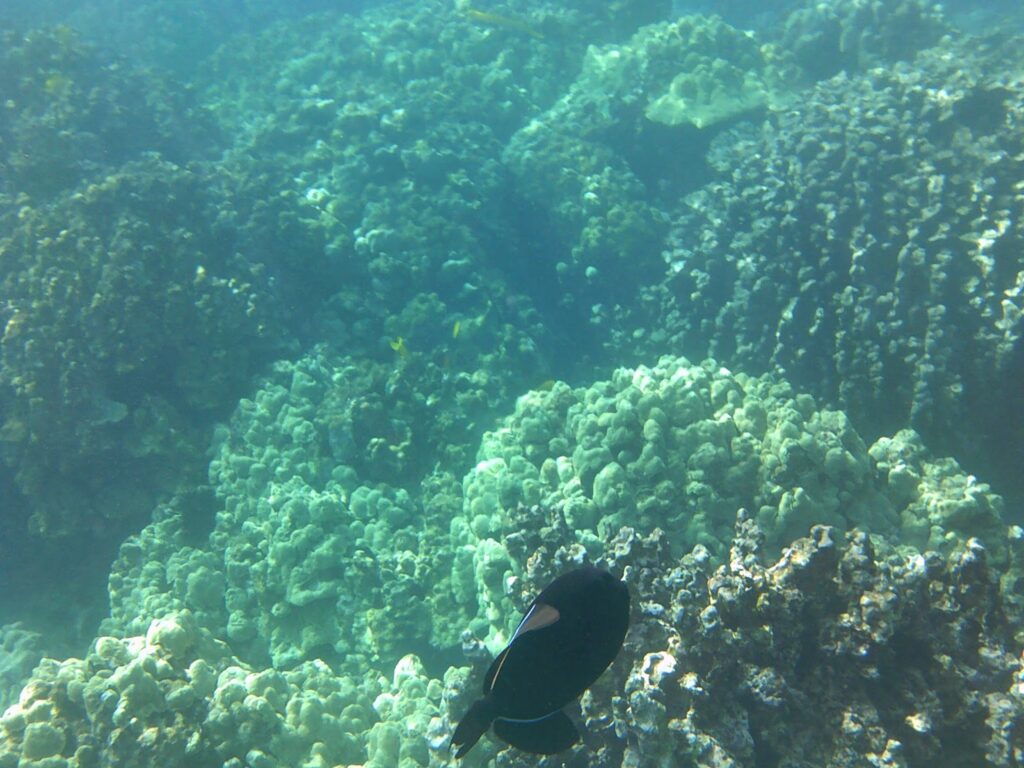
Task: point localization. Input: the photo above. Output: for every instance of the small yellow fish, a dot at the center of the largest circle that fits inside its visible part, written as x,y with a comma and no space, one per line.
456,328
57,85
64,35
398,344
545,386
506,22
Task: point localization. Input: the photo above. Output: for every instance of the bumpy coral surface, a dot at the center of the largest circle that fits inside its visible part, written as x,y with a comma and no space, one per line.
367,174
175,697
313,555
20,651
894,659
305,541
333,582
334,591
681,447
833,655
859,34
69,113
868,243
570,164
387,131
125,315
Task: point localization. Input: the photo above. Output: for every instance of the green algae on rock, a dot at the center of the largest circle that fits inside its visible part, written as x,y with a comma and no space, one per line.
724,74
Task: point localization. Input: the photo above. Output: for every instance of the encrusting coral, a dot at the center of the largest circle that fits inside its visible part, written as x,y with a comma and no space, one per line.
359,527
897,659
568,162
119,331
866,242
306,562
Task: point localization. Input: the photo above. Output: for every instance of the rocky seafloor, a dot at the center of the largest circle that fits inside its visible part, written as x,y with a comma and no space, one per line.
323,352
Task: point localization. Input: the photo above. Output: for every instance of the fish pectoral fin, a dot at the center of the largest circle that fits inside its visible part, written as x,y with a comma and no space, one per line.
547,736
541,615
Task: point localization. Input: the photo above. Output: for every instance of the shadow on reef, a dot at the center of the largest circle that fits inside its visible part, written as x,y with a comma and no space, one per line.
54,587
530,265
994,448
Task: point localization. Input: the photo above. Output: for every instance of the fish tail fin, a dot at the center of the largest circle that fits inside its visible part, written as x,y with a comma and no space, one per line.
473,725
541,737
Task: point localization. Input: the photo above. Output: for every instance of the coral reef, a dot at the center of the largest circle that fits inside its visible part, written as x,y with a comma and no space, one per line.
393,191
70,113
432,208
312,555
176,697
148,32
126,316
867,244
603,163
20,650
855,35
303,545
880,658
681,447
896,659
878,651
595,189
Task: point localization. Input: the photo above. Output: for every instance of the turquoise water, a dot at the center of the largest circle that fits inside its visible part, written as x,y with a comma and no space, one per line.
331,333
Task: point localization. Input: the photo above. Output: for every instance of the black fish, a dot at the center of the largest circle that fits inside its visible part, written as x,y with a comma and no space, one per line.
568,637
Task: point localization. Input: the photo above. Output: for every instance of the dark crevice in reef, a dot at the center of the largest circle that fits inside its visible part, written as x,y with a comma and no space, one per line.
529,263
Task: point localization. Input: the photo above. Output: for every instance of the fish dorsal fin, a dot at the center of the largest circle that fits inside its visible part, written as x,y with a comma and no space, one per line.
541,615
